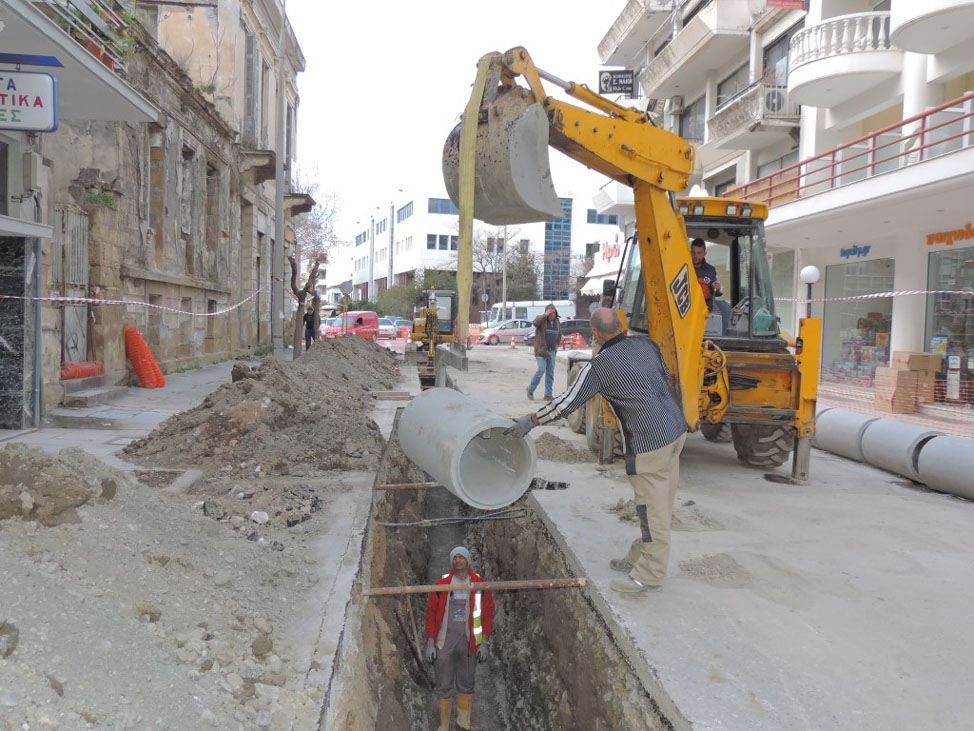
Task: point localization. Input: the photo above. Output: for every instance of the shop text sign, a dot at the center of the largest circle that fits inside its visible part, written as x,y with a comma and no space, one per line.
949,237
617,82
854,251
28,101
793,4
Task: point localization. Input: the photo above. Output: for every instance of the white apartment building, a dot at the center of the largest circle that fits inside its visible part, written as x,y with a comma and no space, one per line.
854,120
415,233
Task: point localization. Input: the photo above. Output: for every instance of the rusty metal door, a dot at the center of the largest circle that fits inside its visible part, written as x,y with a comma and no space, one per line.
70,275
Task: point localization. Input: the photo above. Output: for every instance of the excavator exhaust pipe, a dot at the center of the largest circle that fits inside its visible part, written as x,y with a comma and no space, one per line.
512,178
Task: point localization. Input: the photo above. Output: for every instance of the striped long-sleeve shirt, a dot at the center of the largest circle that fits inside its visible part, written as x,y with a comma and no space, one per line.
630,373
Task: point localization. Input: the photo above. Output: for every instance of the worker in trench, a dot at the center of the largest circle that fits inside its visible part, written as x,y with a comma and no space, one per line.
458,629
629,372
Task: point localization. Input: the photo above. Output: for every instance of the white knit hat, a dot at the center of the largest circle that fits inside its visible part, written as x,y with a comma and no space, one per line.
461,551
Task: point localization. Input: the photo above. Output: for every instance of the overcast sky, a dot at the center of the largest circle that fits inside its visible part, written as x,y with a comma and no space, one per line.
386,81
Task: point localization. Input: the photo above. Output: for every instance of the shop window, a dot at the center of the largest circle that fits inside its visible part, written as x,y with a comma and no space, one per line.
950,316
855,336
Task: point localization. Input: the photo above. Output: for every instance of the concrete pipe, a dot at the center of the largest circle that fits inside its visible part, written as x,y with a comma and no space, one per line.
895,446
840,431
461,443
947,464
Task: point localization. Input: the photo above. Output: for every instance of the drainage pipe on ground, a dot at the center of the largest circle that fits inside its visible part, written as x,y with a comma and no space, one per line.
947,464
840,432
461,443
895,446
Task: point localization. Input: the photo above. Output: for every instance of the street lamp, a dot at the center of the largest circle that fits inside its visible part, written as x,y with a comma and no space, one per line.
809,275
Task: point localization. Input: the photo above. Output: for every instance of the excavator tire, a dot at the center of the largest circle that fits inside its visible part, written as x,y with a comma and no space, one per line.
762,445
716,432
593,435
576,419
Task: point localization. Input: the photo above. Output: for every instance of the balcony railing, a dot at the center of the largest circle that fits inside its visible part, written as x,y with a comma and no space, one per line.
842,35
938,131
100,26
759,102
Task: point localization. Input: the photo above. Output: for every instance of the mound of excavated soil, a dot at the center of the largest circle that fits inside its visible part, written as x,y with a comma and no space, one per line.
555,449
298,418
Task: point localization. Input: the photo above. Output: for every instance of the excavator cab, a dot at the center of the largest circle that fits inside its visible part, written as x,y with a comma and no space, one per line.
730,235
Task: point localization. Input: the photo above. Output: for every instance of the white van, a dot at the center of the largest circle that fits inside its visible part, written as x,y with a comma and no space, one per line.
527,310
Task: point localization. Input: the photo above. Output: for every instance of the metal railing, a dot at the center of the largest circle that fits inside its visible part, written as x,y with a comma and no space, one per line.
935,132
100,26
841,35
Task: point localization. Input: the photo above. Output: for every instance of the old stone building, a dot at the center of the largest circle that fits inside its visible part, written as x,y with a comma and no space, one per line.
175,217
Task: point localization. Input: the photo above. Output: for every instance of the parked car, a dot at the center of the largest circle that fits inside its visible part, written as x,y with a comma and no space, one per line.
387,328
568,327
505,332
402,322
363,323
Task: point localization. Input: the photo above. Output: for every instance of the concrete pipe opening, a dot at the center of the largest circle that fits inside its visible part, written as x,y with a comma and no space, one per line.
462,444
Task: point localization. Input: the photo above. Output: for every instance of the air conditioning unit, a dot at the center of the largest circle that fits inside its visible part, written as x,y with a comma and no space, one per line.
676,104
774,101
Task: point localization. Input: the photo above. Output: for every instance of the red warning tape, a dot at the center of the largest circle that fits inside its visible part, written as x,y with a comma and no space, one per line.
876,295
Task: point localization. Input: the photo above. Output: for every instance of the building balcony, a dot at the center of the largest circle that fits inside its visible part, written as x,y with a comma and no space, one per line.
931,26
636,24
759,116
718,32
614,198
81,49
928,152
841,58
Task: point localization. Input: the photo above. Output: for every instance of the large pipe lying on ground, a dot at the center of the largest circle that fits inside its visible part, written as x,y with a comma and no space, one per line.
947,464
840,432
895,445
462,444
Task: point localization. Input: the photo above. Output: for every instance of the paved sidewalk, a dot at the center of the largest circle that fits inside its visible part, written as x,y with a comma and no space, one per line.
104,429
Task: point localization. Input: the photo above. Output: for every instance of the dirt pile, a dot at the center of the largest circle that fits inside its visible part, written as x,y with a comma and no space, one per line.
556,449
298,418
38,486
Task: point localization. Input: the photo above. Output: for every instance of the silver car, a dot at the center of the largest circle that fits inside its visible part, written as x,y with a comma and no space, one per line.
505,332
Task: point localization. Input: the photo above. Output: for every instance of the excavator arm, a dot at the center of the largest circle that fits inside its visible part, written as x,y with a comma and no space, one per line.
513,184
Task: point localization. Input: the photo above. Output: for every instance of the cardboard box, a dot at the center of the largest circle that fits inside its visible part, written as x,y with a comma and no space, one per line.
900,402
908,361
894,378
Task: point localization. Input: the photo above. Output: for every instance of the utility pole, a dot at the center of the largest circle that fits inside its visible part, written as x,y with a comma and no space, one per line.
504,278
277,256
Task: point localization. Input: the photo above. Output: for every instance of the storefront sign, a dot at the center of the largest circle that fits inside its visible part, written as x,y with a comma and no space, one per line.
28,101
949,237
610,251
791,4
617,82
855,251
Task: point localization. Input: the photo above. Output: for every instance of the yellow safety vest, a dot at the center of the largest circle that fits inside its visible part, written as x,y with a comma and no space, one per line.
478,630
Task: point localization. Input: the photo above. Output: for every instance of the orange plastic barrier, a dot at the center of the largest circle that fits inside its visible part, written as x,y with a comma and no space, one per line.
143,363
80,369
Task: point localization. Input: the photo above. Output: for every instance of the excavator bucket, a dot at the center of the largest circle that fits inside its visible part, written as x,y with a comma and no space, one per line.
512,179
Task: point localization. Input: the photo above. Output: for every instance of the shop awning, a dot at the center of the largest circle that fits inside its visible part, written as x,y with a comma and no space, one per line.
19,227
594,284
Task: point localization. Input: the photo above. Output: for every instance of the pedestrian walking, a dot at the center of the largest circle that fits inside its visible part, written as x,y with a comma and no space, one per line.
310,331
630,373
458,628
547,336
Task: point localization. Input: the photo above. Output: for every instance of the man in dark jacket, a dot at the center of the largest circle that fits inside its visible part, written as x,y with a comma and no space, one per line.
547,336
707,276
310,331
458,627
629,372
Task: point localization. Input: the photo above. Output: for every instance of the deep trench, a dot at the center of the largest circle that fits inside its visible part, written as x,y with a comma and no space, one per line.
555,664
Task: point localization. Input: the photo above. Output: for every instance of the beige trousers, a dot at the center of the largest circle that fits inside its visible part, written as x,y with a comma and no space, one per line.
654,486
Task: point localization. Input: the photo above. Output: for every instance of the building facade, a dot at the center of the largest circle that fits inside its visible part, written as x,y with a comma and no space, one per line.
420,233
853,120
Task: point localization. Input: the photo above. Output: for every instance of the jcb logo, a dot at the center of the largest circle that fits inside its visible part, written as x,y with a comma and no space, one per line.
680,287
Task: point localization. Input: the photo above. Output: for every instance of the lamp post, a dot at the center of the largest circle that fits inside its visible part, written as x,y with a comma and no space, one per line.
809,275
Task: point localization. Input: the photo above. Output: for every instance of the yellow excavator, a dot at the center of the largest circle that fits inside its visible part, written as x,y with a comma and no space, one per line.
729,368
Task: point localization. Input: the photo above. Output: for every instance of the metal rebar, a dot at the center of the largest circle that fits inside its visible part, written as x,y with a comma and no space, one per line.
405,485
481,586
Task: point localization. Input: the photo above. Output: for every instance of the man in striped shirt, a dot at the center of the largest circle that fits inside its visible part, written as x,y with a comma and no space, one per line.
630,373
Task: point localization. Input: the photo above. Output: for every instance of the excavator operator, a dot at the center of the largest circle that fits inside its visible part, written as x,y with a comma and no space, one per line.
707,276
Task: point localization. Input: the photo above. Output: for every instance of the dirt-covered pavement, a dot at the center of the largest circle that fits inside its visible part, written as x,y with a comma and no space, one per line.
126,605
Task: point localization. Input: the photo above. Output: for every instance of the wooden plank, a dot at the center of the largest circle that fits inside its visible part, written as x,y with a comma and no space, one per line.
482,586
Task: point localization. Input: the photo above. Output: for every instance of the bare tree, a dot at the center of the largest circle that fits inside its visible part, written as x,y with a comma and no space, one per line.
315,230
301,294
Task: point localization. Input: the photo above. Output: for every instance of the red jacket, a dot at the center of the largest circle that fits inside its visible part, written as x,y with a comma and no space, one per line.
438,601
